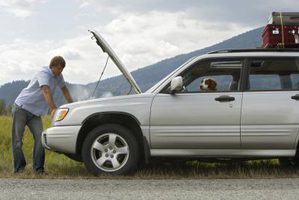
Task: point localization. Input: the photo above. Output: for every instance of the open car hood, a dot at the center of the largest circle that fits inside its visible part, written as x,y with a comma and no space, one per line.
107,49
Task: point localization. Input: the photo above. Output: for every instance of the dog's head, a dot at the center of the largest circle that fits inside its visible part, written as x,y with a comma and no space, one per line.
208,84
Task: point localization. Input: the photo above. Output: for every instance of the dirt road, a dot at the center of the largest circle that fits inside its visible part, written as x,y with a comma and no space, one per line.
150,189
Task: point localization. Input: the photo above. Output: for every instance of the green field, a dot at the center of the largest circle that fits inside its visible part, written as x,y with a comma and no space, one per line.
59,166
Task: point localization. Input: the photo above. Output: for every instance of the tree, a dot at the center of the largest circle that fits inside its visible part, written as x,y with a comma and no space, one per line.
8,109
2,107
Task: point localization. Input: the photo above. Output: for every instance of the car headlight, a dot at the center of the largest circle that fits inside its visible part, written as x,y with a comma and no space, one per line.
60,114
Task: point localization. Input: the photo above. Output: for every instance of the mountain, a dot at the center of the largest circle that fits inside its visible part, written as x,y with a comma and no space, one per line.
145,77
9,91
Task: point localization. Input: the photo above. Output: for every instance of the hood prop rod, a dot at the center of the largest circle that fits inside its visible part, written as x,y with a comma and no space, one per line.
100,77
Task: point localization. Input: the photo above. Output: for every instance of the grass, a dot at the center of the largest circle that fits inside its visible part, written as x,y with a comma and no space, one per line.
60,166
57,165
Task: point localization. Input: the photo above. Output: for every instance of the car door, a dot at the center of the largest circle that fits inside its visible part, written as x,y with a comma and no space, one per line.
196,118
270,111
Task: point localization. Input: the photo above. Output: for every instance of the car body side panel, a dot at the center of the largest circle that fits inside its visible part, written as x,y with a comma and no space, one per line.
270,120
224,153
195,120
135,105
63,135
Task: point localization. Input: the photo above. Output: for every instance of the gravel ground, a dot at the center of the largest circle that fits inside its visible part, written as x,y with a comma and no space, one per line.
150,189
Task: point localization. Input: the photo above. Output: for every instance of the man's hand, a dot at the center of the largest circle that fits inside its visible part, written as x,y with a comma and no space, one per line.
49,98
67,94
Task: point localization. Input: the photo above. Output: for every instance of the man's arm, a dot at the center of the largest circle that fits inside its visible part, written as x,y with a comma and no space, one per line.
67,94
49,98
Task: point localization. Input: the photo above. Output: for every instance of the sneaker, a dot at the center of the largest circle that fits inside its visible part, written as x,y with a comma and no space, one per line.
19,171
40,172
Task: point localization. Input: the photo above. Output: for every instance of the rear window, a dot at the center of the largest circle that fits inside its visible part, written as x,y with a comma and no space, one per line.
273,74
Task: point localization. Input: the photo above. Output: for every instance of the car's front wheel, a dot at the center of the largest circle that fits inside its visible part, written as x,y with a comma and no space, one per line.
110,149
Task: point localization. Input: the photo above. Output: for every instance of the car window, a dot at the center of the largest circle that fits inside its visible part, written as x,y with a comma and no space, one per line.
264,82
273,74
212,76
223,83
295,80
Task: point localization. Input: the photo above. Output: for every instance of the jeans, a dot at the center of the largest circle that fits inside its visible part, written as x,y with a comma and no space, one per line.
21,118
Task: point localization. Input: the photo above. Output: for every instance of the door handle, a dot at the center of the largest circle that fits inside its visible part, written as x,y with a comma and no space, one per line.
295,97
225,98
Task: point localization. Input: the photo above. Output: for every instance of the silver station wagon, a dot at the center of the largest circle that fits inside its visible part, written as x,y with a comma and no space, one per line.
224,104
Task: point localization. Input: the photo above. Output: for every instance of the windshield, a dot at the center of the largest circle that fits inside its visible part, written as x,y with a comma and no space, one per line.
153,88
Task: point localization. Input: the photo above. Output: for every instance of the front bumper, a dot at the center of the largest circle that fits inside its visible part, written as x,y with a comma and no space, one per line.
61,138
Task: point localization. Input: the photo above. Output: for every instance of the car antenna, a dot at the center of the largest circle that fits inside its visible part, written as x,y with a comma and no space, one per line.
100,77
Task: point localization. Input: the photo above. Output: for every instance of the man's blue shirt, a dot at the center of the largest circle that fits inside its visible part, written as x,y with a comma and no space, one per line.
32,99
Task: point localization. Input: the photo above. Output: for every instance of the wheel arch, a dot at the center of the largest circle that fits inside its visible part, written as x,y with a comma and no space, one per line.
125,119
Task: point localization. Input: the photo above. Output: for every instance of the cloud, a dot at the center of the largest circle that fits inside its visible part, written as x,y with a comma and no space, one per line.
253,13
21,59
142,39
84,3
138,39
140,32
19,8
68,52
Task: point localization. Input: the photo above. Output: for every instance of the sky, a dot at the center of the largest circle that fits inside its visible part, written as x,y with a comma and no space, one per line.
141,32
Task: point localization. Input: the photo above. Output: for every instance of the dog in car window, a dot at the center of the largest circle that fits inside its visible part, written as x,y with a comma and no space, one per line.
208,84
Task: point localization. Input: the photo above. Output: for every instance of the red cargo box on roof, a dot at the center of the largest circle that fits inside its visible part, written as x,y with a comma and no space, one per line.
274,36
285,18
282,30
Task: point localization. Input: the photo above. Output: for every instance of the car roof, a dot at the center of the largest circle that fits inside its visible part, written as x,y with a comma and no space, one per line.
255,50
258,52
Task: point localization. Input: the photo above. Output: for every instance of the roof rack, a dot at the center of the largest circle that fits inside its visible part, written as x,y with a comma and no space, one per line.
256,50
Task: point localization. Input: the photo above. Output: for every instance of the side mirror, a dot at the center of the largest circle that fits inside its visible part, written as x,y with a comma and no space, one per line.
176,84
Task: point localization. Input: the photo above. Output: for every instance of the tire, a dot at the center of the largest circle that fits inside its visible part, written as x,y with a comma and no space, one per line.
110,149
285,162
289,162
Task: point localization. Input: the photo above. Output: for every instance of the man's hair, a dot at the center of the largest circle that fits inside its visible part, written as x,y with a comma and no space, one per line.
56,61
